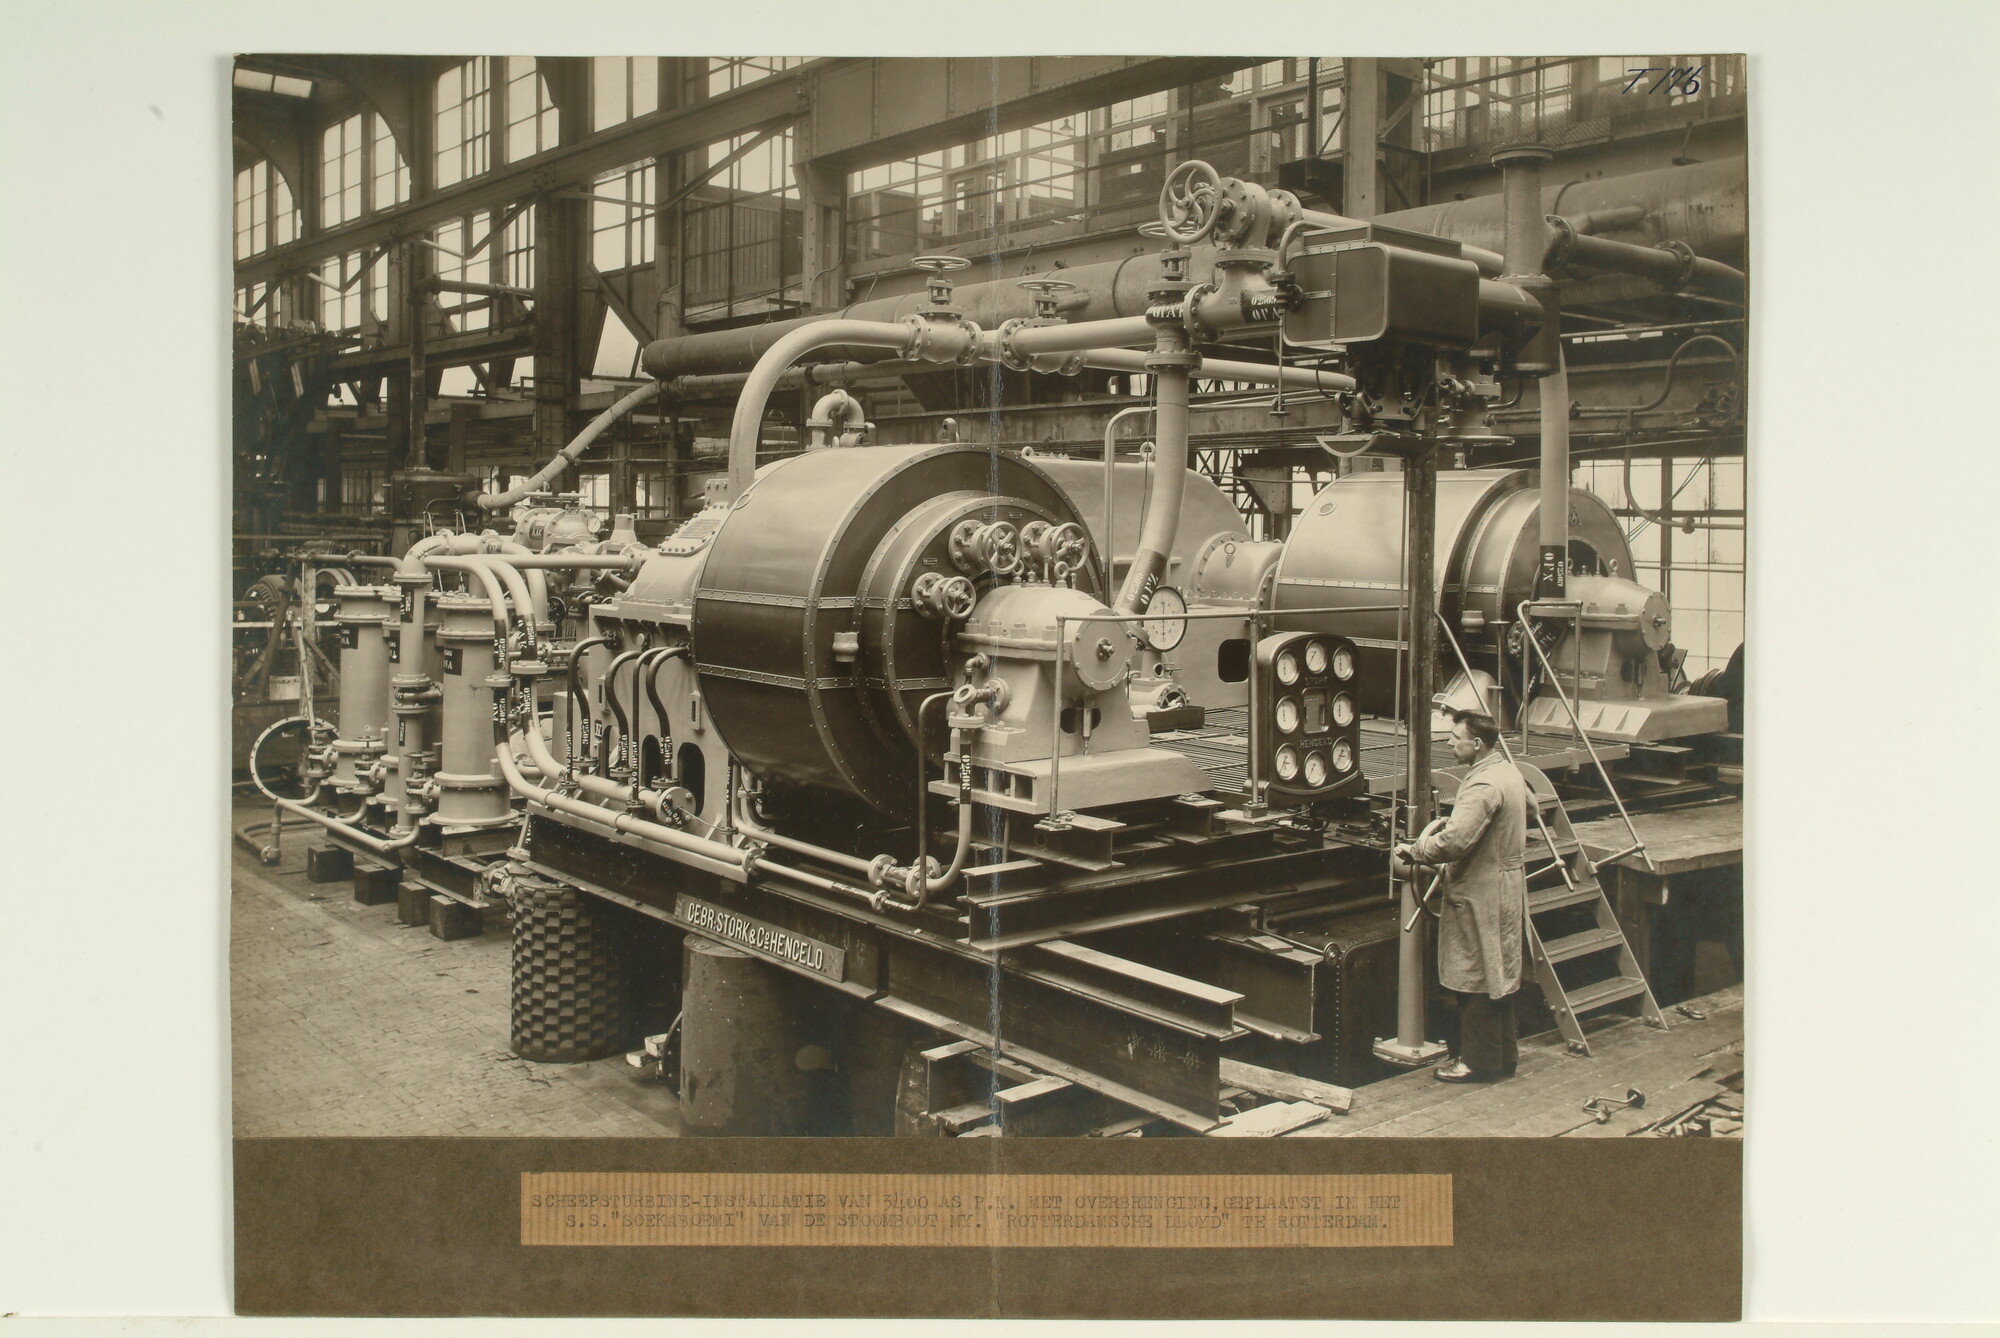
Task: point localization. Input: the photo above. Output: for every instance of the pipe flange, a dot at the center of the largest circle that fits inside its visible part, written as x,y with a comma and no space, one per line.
1687,259
879,870
1011,357
1562,243
969,357
1189,318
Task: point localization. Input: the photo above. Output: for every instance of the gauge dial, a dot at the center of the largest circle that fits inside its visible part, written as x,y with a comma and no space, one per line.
1288,668
1315,769
1343,663
1288,715
1315,657
1164,626
1343,756
1343,709
1288,762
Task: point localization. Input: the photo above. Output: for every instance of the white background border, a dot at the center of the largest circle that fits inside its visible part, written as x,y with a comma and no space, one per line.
1872,593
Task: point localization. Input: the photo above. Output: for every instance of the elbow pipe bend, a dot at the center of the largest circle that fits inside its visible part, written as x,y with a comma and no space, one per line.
744,427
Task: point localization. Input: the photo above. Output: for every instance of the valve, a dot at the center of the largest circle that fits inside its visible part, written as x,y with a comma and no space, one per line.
937,267
943,598
977,548
1045,290
1190,202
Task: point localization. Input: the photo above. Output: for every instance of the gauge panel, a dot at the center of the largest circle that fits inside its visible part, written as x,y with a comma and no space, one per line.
1164,625
1305,730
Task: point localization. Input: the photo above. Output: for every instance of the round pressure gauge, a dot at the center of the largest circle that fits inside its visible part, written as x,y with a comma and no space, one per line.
1288,667
1343,709
1343,756
1315,769
1288,762
1288,715
1164,627
1315,657
1343,663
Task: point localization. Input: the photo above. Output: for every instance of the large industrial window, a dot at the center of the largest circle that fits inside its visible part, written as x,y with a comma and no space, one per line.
454,264
1691,550
265,214
517,250
340,172
1487,100
740,230
725,73
261,304
464,121
622,87
622,235
340,292
533,123
392,173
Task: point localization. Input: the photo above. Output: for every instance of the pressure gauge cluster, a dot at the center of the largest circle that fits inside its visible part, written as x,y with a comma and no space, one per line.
1306,732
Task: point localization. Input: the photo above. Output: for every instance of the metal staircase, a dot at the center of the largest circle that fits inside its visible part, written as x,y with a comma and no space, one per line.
1569,918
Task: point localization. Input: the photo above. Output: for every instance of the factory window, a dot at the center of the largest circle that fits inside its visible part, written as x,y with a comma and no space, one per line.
517,250
533,123
622,87
595,490
339,283
265,214
464,121
261,304
622,235
340,172
376,308
1696,559
740,230
457,263
725,73
357,490
392,173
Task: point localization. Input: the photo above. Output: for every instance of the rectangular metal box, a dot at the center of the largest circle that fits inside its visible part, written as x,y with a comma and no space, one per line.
1371,283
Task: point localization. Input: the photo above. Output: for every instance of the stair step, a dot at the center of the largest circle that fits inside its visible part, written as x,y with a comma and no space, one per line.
1576,945
1599,993
1557,897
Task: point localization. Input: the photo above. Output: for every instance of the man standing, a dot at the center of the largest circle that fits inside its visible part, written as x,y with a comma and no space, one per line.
1485,898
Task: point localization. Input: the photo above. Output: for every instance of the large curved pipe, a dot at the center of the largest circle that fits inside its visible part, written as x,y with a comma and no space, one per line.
1163,505
567,456
745,427
343,832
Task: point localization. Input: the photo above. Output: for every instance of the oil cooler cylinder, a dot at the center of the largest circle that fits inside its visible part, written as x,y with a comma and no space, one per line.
363,614
471,791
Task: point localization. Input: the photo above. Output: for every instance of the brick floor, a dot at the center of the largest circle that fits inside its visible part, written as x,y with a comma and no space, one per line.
347,1022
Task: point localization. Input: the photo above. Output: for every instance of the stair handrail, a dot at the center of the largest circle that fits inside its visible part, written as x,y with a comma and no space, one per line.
1555,681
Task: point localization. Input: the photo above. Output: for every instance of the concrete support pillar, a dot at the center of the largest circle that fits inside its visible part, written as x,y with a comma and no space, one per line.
745,1038
823,192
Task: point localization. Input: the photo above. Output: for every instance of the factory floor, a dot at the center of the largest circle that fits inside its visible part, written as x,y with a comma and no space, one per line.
347,1022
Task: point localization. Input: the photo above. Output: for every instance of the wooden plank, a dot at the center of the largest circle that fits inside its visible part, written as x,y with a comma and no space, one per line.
1679,840
1270,1082
1270,1121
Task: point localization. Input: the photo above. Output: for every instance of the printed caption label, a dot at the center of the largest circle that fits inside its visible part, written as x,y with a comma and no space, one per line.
1132,1211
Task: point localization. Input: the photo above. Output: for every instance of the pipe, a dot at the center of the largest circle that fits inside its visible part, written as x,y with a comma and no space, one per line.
538,583
1111,477
342,832
1072,338
527,561
713,856
1163,507
1521,205
618,711
749,419
567,456
1257,373
1672,265
1552,580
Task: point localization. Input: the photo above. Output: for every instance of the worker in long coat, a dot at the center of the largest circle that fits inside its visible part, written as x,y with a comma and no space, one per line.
1485,899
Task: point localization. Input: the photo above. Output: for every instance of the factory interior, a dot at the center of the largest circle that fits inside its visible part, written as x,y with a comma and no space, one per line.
916,596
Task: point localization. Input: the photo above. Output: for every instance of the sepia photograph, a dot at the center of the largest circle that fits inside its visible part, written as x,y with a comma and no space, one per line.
1100,597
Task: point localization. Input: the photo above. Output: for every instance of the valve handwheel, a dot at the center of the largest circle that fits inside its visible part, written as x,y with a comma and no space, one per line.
1045,290
940,264
1189,201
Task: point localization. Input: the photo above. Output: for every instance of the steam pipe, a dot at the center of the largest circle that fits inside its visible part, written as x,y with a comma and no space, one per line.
618,711
744,428
1555,477
1257,373
1673,265
567,456
1169,364
1111,477
342,832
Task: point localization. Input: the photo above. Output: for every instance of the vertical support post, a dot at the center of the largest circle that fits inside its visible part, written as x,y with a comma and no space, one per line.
1410,1048
1525,239
417,398
1552,571
1361,131
823,196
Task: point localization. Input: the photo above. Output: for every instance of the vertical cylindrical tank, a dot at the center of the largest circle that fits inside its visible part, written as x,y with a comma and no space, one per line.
747,1044
471,791
363,613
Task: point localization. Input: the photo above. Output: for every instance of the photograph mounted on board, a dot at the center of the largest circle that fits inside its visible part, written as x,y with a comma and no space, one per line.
1152,600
